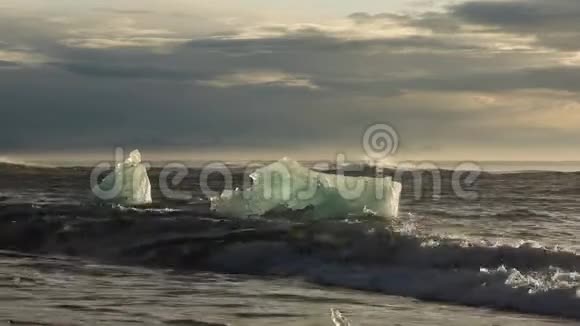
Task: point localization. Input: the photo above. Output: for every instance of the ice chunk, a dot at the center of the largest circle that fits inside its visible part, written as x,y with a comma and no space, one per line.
287,184
338,318
128,184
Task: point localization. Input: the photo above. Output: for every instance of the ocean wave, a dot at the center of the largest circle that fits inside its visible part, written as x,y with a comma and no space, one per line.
8,161
443,272
459,286
368,255
507,214
165,210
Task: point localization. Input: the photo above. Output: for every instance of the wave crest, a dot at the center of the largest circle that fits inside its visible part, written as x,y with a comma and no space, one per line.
364,255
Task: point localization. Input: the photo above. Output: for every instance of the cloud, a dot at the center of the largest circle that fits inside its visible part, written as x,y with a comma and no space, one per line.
124,11
555,23
119,76
21,57
322,39
7,64
126,71
520,14
121,32
366,18
555,78
130,42
260,78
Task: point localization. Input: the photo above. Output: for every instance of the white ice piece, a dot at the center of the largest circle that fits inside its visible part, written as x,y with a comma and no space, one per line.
287,184
128,184
338,318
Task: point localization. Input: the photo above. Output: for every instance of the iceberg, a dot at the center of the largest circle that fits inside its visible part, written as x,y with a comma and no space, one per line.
288,185
128,184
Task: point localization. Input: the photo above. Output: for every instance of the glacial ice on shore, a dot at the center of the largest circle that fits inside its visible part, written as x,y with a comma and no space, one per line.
288,185
128,184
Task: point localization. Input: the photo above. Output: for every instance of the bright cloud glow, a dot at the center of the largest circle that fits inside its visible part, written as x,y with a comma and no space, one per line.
119,33
260,78
19,57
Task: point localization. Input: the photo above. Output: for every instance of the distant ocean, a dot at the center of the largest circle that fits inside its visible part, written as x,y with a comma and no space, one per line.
488,166
509,257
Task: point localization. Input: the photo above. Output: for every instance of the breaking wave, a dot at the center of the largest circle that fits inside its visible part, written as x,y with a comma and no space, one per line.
20,163
363,254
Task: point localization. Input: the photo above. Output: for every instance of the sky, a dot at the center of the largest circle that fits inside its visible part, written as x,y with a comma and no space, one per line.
469,80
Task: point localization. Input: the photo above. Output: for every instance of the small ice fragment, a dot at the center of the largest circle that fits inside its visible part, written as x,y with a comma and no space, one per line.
128,184
338,319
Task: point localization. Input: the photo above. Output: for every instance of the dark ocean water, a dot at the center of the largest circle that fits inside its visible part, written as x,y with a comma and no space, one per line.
509,257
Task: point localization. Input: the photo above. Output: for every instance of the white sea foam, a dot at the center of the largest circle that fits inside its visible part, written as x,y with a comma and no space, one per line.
147,210
11,161
553,278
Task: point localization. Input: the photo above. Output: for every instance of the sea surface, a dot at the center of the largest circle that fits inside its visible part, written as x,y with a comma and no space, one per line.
508,256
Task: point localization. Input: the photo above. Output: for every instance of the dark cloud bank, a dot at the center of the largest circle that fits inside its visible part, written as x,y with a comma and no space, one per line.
299,87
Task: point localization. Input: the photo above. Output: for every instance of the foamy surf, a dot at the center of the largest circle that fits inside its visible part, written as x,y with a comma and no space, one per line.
362,255
22,163
446,273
